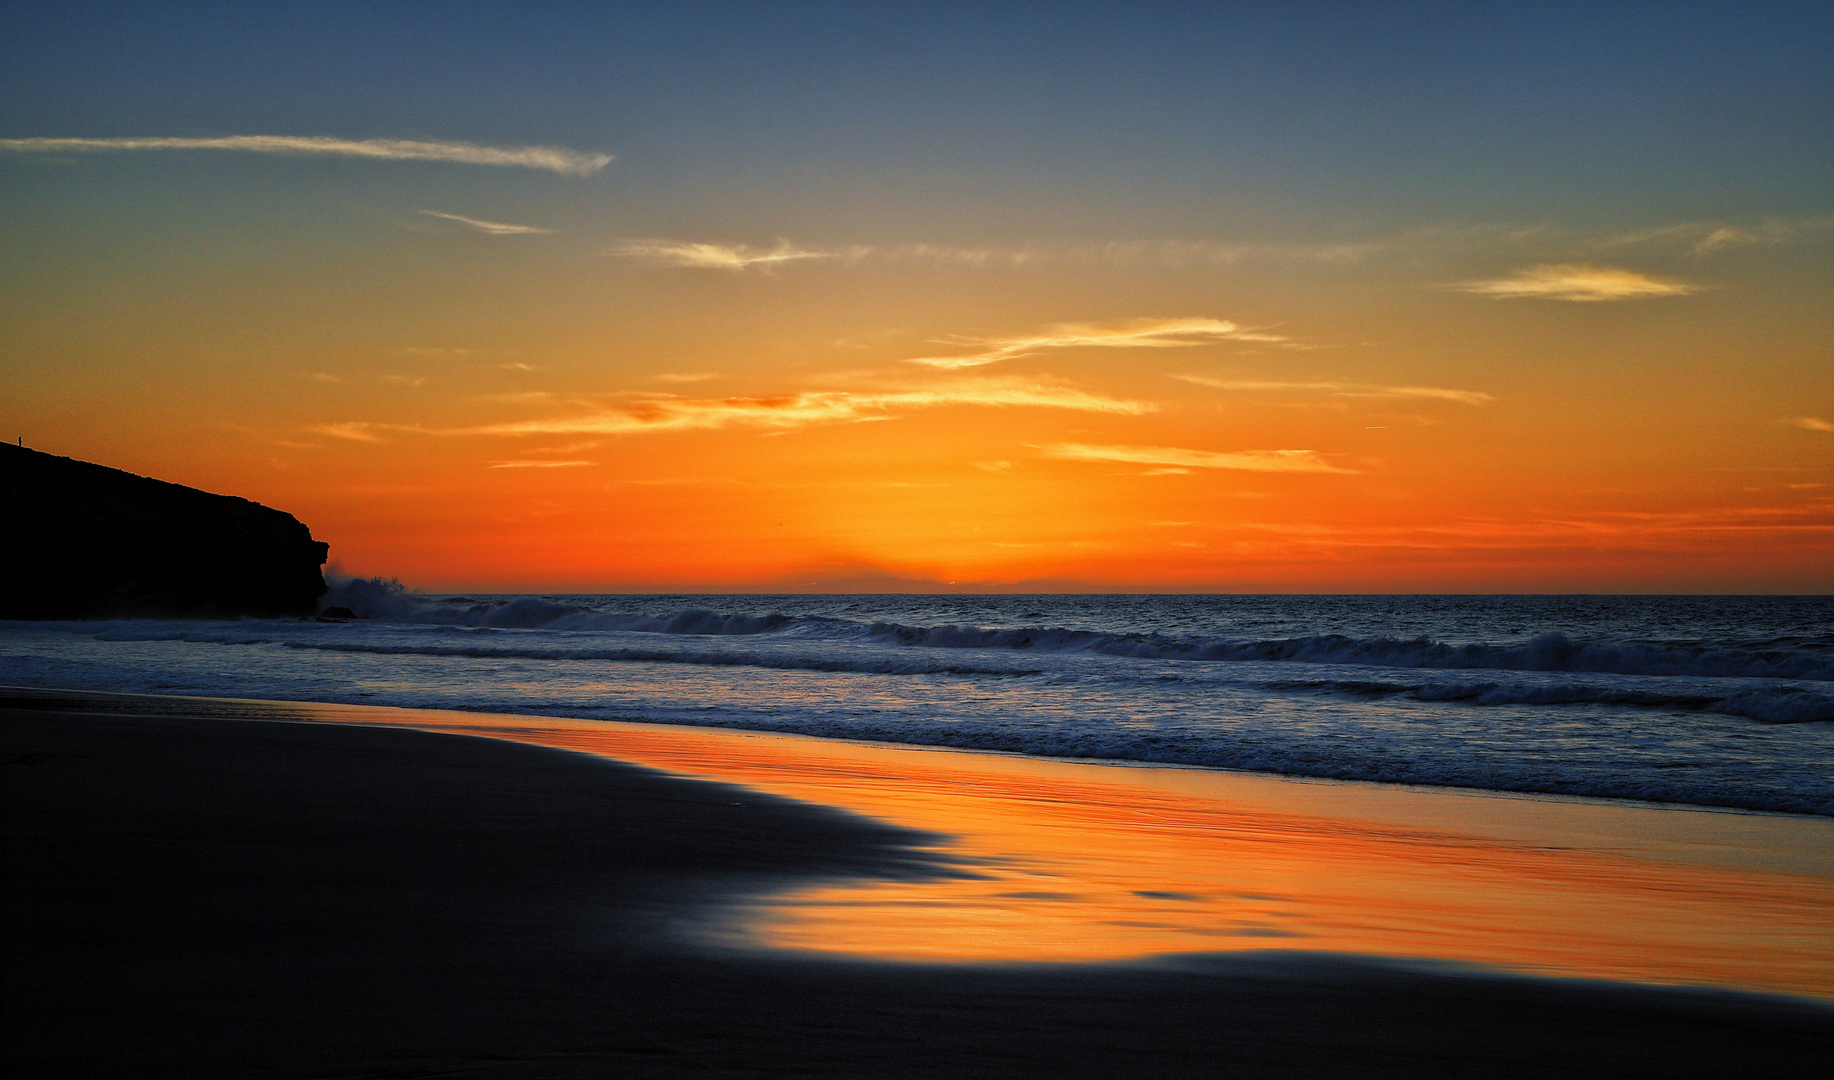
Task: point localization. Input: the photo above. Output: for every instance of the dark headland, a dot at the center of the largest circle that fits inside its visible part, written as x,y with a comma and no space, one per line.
88,541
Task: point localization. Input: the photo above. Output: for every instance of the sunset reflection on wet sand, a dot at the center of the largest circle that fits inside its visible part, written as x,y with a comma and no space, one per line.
1068,861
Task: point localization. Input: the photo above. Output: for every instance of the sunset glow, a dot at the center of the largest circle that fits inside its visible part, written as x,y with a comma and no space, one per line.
758,308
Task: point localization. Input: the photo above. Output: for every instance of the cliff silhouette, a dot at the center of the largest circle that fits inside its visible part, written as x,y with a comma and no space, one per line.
87,541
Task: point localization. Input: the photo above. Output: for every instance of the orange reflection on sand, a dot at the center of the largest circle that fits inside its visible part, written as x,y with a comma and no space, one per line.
1087,862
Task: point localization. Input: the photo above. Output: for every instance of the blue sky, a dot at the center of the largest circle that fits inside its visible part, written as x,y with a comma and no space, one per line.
1312,117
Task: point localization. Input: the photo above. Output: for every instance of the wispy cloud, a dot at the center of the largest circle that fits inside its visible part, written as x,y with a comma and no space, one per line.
1809,423
1576,281
1550,241
492,228
1708,237
788,411
536,464
701,256
1698,237
685,376
357,431
1177,458
1177,254
1137,334
1529,240
1344,389
1170,254
551,158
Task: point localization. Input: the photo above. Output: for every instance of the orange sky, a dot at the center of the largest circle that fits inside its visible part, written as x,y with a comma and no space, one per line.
722,363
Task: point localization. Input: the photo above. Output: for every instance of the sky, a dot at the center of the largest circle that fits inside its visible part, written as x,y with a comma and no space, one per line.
1072,297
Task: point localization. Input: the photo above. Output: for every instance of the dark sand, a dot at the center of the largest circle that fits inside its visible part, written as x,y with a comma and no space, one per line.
211,897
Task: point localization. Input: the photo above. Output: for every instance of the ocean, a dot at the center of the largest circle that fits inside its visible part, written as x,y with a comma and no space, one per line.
1720,701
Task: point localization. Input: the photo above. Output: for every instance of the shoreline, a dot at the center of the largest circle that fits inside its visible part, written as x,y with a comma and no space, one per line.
498,907
133,699
1557,720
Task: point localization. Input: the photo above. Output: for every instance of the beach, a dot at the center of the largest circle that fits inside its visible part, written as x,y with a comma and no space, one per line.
217,888
942,541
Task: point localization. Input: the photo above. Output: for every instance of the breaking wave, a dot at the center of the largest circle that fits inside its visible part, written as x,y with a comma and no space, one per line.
1765,701
1688,700
1547,652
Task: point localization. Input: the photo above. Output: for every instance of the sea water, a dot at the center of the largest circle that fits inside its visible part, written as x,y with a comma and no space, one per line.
1708,701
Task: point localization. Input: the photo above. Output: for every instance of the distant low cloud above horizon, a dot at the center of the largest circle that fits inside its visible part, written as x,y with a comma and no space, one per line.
554,159
1576,282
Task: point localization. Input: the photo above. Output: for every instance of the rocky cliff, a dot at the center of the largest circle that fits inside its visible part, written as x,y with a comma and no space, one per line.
84,540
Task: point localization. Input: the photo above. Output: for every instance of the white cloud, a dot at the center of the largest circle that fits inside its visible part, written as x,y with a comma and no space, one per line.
1809,423
552,158
1177,458
492,228
788,411
700,256
1578,282
1136,334
1343,389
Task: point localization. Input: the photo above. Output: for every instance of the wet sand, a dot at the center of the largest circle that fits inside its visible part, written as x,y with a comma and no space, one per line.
200,895
1073,861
